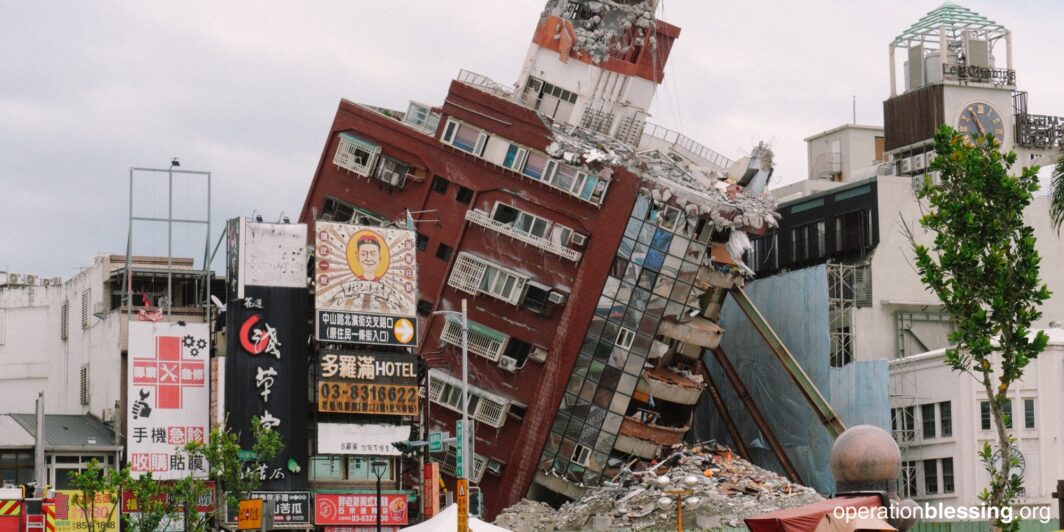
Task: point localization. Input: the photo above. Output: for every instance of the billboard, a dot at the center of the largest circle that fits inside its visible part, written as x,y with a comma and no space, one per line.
291,508
359,509
368,383
70,518
361,439
366,281
267,332
168,397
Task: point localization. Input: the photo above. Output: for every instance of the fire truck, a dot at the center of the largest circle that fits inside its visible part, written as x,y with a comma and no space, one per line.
21,514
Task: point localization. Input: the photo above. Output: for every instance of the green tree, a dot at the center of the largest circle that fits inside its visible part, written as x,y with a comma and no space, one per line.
150,500
1056,196
97,488
235,474
985,270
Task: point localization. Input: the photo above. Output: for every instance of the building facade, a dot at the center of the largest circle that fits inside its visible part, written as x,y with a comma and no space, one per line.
570,225
941,429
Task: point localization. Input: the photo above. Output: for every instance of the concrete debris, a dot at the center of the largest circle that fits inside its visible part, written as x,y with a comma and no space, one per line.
697,190
718,489
605,27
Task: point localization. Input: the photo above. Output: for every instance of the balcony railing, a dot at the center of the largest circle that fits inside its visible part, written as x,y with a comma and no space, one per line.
480,80
682,141
481,218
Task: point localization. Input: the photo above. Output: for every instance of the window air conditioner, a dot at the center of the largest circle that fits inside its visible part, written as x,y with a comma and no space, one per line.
539,354
394,179
578,239
557,298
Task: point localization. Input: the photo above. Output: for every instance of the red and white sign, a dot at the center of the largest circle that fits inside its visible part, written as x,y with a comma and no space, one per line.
168,402
359,509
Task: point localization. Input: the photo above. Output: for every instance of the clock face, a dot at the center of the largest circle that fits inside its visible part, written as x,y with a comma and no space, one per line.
980,118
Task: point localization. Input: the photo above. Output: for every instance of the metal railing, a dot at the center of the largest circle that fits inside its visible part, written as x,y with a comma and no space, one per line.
482,219
683,141
472,78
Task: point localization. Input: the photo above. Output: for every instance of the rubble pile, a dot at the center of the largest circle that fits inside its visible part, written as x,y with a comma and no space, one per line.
718,489
605,27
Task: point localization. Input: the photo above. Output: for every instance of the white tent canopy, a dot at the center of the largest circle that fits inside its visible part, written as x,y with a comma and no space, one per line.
447,521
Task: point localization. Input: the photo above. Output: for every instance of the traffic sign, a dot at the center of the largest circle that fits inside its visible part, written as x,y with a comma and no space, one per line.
463,505
435,442
459,458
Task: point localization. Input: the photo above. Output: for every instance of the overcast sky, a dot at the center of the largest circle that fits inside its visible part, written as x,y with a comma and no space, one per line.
248,90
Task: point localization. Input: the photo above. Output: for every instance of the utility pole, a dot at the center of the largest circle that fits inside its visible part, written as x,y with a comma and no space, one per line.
38,450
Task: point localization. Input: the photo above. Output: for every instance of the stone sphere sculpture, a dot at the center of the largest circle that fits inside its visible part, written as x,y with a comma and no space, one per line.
864,453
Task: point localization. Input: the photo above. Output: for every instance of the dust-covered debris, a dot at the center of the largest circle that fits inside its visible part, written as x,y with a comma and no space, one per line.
604,27
718,489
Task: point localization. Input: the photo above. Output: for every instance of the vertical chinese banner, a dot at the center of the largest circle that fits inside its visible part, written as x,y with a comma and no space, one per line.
431,489
168,397
266,352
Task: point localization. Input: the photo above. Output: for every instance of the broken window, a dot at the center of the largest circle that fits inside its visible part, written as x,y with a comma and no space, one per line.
518,350
549,99
536,297
392,172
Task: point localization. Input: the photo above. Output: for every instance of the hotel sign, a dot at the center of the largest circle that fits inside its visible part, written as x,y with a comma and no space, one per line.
368,383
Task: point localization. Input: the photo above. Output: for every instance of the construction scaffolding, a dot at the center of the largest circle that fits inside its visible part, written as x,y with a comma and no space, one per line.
842,300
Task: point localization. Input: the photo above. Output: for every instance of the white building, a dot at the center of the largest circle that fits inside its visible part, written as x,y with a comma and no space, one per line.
941,420
68,338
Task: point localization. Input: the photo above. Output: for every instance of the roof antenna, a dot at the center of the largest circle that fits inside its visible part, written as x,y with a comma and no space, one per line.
855,109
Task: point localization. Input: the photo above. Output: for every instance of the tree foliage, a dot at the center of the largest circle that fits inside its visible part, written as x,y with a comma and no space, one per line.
96,488
1056,196
985,270
150,502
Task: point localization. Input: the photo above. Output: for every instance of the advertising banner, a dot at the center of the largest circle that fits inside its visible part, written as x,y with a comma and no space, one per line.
70,518
368,383
359,509
291,508
168,397
267,332
366,285
431,486
345,438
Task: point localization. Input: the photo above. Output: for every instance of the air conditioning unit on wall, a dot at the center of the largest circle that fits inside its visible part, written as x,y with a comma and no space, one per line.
508,364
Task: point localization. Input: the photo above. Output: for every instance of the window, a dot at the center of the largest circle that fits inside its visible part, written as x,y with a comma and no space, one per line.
901,422
463,137
464,195
424,308
984,415
930,476
581,455
945,416
518,350
16,467
84,384
625,337
502,284
449,458
521,221
335,210
422,242
64,321
85,298
536,297
392,172
351,468
1006,410
927,420
947,475
421,116
853,230
1028,413
439,184
484,406
535,164
443,252
480,340
355,154
908,479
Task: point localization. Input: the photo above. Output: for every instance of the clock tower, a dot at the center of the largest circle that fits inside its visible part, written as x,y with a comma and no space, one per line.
952,73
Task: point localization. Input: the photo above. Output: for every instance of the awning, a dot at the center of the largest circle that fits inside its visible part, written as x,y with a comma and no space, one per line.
807,518
354,139
70,432
482,330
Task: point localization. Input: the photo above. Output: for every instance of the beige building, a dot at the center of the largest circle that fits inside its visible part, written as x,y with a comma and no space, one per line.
941,420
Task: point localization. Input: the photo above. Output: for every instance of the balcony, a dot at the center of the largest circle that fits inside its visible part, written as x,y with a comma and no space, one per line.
698,331
482,218
668,386
645,439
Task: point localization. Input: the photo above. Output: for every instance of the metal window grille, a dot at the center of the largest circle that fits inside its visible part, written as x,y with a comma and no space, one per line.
85,309
631,130
477,343
492,412
355,157
85,384
448,463
597,120
64,321
467,274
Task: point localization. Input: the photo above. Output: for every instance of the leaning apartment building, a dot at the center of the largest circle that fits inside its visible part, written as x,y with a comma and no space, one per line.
592,247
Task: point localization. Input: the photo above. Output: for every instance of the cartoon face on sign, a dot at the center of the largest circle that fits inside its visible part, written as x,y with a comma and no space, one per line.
368,255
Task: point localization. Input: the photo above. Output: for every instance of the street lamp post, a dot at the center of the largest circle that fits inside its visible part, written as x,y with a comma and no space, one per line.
378,467
468,440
